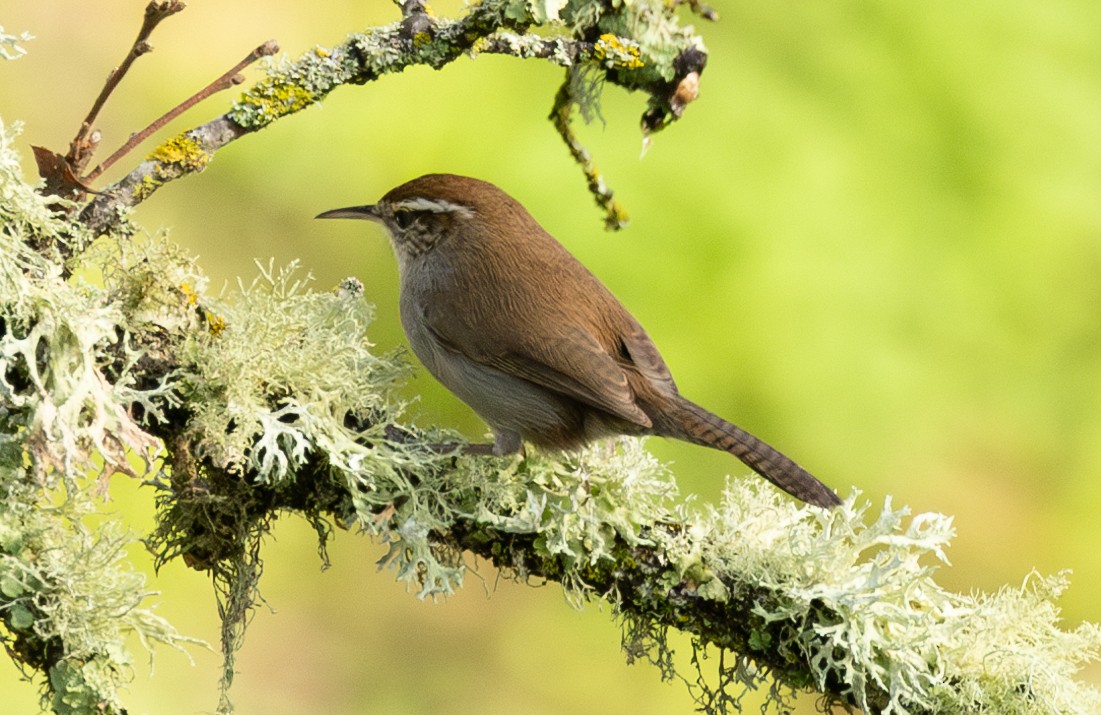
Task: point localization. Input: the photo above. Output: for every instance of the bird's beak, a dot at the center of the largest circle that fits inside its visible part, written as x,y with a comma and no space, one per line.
370,213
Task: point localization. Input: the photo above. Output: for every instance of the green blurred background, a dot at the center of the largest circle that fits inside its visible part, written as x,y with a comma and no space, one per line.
875,241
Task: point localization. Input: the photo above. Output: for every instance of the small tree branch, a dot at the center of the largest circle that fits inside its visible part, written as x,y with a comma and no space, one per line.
227,80
82,146
615,217
418,39
358,60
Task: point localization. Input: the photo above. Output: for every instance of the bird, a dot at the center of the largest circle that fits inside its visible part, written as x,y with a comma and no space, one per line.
509,321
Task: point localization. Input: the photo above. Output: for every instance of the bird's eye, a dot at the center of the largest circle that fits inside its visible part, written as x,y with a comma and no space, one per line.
404,218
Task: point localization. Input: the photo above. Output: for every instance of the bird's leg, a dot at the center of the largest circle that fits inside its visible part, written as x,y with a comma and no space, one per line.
504,443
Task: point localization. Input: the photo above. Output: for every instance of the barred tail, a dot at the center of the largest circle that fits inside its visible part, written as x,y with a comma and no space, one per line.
695,424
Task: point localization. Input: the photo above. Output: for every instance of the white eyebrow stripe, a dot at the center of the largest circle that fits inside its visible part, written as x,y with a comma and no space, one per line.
436,206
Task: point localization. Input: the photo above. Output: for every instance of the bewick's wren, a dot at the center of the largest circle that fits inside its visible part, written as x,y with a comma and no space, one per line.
509,321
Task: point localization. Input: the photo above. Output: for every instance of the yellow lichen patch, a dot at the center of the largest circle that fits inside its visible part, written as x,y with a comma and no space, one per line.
616,52
182,151
275,99
144,188
617,216
189,293
479,45
215,323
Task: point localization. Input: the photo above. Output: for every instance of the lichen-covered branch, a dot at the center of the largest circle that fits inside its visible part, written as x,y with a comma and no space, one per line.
228,79
615,217
68,599
639,46
271,402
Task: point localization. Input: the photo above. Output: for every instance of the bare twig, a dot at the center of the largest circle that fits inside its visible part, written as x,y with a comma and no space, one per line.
82,146
227,80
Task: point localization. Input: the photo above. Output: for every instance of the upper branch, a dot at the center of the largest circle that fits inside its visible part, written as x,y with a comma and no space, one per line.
360,59
660,66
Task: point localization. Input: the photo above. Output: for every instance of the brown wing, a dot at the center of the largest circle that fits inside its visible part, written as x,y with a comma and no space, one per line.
572,363
638,351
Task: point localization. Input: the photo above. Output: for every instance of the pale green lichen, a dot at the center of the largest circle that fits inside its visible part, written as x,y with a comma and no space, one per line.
54,330
540,12
263,399
559,50
873,619
68,599
651,27
878,620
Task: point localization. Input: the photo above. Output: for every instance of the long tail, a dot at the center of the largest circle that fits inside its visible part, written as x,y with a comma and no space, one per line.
695,424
